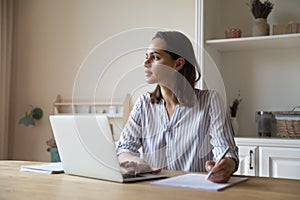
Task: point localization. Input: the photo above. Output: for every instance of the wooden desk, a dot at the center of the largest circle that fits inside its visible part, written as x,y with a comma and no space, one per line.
26,185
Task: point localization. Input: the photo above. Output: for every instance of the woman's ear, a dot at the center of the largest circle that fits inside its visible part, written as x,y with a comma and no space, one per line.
179,63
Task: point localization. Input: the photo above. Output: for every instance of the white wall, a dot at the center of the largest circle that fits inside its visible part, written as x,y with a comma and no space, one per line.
51,40
268,80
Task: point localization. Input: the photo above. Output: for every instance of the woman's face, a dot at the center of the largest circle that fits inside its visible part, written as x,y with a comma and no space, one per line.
159,65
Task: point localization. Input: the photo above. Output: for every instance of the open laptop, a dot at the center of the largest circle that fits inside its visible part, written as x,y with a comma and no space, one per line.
86,148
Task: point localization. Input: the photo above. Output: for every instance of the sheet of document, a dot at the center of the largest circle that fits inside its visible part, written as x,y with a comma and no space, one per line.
197,181
48,168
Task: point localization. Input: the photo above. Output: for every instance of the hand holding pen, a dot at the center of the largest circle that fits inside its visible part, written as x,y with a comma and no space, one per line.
220,171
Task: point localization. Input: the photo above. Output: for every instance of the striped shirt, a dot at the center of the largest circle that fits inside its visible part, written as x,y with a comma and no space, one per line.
183,142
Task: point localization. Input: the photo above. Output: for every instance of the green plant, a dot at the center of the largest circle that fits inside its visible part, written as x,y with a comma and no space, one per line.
259,9
235,105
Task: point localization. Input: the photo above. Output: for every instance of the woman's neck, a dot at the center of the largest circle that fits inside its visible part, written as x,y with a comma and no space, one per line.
170,100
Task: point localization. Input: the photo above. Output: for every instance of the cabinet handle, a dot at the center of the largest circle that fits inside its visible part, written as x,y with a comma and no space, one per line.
251,159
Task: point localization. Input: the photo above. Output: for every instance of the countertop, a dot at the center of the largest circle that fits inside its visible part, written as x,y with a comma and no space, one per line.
268,141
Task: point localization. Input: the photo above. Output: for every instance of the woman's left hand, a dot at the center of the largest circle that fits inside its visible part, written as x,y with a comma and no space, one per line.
220,173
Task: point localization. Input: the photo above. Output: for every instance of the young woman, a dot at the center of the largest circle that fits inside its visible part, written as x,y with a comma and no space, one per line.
177,127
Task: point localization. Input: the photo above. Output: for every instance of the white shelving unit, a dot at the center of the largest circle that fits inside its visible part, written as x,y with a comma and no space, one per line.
264,69
259,67
252,43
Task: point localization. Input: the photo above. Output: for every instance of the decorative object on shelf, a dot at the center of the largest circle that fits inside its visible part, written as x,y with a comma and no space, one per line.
289,28
235,105
264,123
112,110
260,12
235,125
233,113
31,115
260,27
288,123
233,33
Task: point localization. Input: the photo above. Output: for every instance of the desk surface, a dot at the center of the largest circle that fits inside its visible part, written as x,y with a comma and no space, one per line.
15,184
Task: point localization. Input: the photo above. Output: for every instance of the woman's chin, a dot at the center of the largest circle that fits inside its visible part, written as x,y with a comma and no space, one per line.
150,81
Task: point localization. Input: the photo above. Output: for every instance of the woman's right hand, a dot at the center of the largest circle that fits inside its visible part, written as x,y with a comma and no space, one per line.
133,165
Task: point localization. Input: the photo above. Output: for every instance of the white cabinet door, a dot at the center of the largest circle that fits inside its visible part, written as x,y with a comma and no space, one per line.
248,156
280,162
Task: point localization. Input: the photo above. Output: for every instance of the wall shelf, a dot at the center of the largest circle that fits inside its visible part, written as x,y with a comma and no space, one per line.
117,111
251,43
106,103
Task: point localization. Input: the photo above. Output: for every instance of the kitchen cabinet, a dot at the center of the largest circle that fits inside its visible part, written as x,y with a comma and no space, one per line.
279,162
264,69
269,157
248,163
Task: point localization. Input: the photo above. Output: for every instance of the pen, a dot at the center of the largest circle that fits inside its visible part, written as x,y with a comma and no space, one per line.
222,156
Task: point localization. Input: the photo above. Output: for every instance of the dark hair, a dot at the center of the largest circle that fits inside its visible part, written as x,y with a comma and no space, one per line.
178,45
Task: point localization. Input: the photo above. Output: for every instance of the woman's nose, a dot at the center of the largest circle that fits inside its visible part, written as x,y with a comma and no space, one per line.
147,62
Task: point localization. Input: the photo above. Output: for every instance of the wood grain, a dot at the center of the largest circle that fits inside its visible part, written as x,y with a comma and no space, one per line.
27,185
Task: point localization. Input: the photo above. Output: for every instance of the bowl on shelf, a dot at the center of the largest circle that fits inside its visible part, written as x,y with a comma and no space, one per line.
233,33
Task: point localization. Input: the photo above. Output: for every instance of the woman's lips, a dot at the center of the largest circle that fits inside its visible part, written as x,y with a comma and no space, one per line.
148,73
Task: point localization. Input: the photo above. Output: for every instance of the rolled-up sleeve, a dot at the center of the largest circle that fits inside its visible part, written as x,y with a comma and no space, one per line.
130,140
221,131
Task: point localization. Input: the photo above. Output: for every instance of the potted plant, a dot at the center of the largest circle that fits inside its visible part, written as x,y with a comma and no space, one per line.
260,12
234,107
233,114
53,150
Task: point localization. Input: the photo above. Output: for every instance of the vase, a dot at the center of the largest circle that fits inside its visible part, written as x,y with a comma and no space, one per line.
235,125
260,27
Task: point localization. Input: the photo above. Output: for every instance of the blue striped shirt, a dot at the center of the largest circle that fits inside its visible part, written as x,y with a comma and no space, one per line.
183,142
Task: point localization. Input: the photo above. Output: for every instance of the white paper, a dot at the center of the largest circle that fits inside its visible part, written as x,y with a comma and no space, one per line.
197,181
48,168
